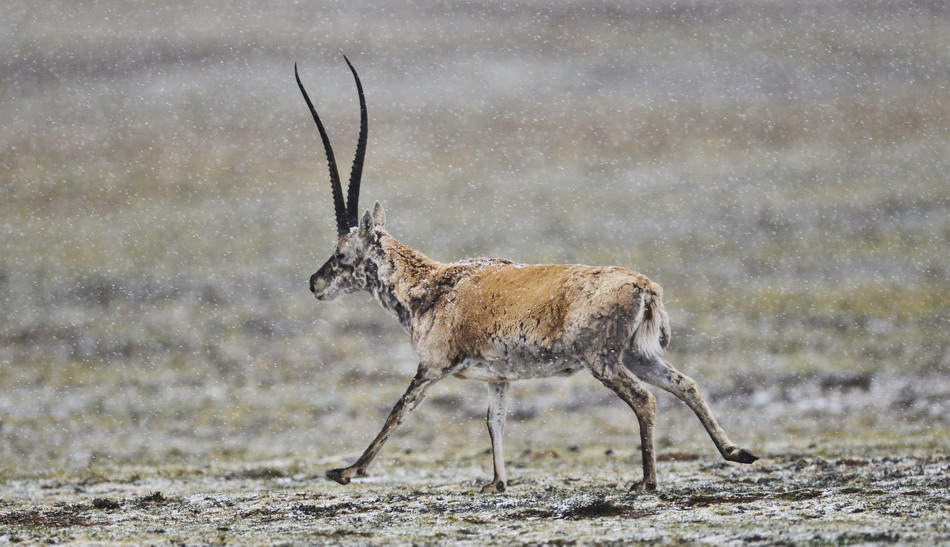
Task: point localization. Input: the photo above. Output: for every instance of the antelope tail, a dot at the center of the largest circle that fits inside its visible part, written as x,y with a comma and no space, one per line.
653,334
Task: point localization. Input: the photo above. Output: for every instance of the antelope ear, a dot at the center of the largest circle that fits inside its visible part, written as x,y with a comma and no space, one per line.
379,216
366,224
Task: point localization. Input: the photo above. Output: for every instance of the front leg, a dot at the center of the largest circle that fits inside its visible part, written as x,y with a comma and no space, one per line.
421,382
497,411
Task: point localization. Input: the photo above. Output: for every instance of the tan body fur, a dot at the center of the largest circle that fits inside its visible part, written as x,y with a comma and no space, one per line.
510,321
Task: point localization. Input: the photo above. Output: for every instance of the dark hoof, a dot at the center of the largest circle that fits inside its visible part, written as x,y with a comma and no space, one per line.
643,486
337,475
746,457
494,487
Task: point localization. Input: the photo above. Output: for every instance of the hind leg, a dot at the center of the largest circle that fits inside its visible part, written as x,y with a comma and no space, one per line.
643,404
658,372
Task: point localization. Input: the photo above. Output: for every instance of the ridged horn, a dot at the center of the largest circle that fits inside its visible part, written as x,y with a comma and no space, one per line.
356,173
342,225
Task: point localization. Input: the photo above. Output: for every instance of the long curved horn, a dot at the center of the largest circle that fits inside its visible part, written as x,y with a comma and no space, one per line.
342,225
356,173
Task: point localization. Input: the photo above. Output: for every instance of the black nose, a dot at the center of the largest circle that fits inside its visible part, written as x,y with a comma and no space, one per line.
312,279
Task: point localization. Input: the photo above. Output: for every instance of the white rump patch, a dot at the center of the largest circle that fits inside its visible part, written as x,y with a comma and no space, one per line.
646,340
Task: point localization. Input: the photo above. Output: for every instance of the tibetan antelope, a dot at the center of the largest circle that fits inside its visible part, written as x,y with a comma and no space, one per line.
497,321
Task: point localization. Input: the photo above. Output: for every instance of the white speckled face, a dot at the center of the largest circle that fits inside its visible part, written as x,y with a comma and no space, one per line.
344,272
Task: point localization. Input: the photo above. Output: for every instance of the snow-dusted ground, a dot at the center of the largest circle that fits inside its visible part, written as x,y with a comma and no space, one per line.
841,463
884,496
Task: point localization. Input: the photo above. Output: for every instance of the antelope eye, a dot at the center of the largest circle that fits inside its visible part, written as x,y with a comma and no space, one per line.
339,256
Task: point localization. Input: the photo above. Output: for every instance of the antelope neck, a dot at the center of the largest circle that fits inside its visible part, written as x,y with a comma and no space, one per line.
402,281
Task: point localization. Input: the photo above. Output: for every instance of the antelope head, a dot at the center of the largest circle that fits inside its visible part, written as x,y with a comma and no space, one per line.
350,268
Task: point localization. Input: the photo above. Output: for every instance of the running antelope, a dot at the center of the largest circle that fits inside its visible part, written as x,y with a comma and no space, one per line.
497,321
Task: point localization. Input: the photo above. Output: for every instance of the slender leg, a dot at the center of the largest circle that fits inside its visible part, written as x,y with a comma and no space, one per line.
497,411
662,374
421,382
643,404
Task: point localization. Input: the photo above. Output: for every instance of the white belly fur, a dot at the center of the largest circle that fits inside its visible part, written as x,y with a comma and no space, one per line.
499,370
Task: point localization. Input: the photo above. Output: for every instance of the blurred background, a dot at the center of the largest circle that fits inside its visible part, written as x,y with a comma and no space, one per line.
781,168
